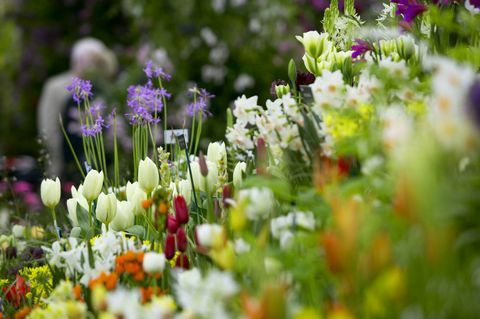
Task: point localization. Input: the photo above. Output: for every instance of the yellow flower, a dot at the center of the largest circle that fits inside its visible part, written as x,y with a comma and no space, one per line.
39,280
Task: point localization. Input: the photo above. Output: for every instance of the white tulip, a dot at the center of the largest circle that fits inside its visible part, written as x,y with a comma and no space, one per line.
153,263
130,190
315,44
216,152
136,201
238,172
106,208
92,185
72,208
147,175
50,192
124,218
201,182
77,192
185,189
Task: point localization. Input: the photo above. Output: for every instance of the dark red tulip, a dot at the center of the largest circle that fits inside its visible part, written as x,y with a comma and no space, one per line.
181,240
226,195
172,224
202,162
181,209
182,262
170,246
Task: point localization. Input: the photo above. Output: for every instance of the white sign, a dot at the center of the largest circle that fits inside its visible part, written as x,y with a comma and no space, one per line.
172,135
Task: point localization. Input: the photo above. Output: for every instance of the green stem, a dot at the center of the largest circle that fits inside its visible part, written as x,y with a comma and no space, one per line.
54,217
199,132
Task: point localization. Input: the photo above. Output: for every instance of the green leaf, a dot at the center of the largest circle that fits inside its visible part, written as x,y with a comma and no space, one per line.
137,230
292,71
83,222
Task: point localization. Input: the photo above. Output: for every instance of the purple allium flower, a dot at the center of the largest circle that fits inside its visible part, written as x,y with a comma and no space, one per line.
151,70
201,103
81,89
144,101
409,9
360,48
94,113
474,102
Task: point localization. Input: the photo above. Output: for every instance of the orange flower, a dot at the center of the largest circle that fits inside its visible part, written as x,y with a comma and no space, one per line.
130,264
109,281
77,292
163,208
147,203
149,292
21,314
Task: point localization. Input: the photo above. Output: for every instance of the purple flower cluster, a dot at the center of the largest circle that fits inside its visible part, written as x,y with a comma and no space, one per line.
152,70
144,101
80,89
94,113
360,48
409,9
201,103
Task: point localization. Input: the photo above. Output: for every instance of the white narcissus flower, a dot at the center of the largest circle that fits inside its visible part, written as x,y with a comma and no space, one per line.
124,218
315,44
72,208
147,175
153,263
246,109
238,172
92,185
50,192
106,208
216,152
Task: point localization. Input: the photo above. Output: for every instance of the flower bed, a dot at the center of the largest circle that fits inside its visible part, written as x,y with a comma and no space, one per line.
353,192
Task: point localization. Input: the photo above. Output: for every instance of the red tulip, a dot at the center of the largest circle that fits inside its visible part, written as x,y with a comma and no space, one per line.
16,293
181,240
182,262
172,224
170,246
181,209
226,195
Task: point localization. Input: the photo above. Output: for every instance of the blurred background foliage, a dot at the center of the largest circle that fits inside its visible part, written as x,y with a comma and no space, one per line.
230,47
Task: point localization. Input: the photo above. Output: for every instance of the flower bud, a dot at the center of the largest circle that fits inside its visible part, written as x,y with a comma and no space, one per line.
153,263
226,196
106,208
130,190
216,152
170,246
137,201
92,185
124,218
147,175
238,172
181,209
72,208
172,224
181,240
182,262
50,192
281,90
203,165
311,65
185,189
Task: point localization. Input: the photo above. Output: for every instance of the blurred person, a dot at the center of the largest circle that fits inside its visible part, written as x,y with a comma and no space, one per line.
90,59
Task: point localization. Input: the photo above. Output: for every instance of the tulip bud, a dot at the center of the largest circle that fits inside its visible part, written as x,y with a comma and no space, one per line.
106,208
124,218
72,208
261,156
137,200
216,152
182,262
92,186
153,263
50,192
311,65
181,209
130,190
226,196
203,165
281,90
181,240
238,172
315,44
185,189
172,224
170,246
147,175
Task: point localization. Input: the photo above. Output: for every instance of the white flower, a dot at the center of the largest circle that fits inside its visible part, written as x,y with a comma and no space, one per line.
124,303
238,172
124,218
239,136
202,183
92,185
210,235
185,189
130,190
397,69
18,231
106,208
136,201
72,208
216,152
472,7
50,192
315,44
153,263
328,88
147,175
260,202
246,109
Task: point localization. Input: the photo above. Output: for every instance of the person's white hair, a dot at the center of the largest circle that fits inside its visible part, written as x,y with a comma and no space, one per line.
91,54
